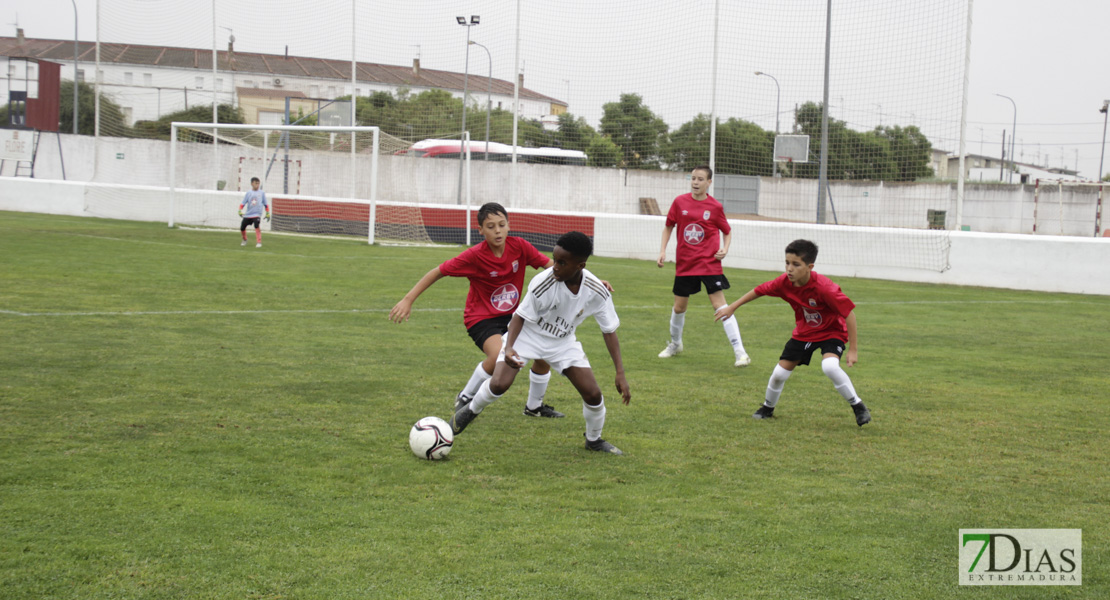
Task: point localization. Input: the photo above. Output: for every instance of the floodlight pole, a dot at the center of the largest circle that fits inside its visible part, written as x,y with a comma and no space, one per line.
489,92
74,66
778,96
466,81
1104,110
1013,136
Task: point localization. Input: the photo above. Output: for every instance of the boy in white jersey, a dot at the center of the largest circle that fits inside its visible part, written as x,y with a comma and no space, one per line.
558,300
251,209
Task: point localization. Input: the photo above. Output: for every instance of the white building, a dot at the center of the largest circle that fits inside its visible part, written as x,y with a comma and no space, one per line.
150,81
988,169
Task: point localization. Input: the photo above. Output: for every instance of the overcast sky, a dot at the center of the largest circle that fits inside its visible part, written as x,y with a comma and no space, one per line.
1051,57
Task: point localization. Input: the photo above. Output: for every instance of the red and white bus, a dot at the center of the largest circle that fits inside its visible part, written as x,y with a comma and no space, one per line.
497,152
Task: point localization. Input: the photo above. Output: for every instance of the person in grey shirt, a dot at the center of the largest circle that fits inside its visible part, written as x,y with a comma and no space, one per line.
252,209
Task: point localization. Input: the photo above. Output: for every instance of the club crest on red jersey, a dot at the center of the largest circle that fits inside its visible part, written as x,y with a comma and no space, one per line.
516,266
813,319
505,297
693,234
705,215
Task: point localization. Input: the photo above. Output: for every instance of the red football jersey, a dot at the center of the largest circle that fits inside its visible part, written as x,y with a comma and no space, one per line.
820,307
496,283
697,223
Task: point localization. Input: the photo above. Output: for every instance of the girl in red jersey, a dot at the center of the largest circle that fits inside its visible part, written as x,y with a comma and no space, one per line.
495,269
824,318
698,255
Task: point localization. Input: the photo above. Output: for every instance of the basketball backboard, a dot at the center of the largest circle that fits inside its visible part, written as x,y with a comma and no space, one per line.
792,148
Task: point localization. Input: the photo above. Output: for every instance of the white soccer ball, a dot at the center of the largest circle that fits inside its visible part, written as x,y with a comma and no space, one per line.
431,438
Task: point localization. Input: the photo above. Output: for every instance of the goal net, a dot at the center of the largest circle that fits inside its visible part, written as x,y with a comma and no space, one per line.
318,179
595,131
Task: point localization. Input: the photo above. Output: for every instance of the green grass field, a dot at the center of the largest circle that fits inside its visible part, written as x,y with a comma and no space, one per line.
181,417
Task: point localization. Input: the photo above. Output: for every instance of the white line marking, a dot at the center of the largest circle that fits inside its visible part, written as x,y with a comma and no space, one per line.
231,247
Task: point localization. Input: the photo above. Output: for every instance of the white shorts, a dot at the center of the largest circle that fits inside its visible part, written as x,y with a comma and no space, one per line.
559,355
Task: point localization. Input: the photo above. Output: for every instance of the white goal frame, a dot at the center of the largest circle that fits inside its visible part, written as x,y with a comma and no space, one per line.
1060,185
213,127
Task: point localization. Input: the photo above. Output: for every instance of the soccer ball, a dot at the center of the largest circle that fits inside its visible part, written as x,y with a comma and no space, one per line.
431,438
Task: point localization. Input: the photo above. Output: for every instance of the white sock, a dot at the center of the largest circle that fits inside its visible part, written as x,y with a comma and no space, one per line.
678,321
775,385
483,398
476,380
537,387
595,420
732,330
840,379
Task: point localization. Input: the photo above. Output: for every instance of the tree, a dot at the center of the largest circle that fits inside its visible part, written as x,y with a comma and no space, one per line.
111,117
887,153
429,114
603,152
743,148
910,150
575,133
160,128
636,130
688,146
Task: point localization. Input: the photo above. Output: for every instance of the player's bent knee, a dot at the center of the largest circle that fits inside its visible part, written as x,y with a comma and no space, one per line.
831,366
592,399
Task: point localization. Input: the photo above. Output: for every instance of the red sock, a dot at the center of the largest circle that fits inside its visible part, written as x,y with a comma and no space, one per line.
244,232
258,236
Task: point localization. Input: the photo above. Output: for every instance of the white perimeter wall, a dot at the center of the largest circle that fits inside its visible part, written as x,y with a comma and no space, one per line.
987,208
1043,263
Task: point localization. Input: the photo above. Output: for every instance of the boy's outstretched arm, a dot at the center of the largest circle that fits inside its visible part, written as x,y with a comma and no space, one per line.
663,246
401,311
852,354
726,311
613,344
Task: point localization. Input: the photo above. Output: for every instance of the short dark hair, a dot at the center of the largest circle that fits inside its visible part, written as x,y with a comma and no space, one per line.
708,169
491,208
254,179
577,243
803,249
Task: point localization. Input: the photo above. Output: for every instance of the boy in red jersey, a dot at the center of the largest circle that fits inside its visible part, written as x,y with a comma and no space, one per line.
824,318
698,255
495,269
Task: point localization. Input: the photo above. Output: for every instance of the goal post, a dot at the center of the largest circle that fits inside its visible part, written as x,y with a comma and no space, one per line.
327,162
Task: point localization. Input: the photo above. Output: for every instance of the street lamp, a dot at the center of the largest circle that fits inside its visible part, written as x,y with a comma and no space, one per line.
489,90
1013,136
1105,108
74,66
466,80
778,96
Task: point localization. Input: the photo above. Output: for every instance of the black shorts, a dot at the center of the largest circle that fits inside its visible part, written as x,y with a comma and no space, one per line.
800,352
256,221
484,330
688,285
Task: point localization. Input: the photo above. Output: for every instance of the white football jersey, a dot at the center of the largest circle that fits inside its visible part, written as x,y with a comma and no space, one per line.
551,311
